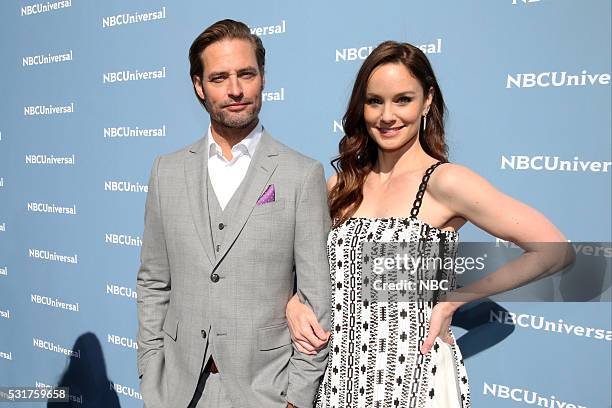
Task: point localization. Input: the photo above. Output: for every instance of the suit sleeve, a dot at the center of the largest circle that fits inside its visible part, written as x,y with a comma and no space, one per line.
313,281
153,281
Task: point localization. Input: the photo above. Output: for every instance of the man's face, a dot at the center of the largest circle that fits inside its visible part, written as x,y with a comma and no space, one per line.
231,83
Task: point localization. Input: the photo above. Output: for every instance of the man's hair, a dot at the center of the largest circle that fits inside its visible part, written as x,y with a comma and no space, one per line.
223,30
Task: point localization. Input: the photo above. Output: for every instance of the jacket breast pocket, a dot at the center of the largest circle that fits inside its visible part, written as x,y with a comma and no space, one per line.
273,337
170,326
269,208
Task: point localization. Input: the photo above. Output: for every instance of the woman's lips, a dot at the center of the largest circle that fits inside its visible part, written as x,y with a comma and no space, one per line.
390,131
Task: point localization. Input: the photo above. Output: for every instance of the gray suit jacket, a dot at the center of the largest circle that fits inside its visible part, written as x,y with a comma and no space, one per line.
184,316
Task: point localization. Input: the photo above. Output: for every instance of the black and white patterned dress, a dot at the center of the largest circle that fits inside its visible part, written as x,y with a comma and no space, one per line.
374,359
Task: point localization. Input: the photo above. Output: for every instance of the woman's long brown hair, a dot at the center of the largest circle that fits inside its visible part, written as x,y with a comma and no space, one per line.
358,152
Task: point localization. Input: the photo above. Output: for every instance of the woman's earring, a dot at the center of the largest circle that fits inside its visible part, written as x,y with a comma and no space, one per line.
425,121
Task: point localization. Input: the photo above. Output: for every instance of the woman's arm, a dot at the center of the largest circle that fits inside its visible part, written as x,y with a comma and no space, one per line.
470,196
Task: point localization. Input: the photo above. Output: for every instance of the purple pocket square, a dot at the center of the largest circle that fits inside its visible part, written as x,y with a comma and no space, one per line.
268,196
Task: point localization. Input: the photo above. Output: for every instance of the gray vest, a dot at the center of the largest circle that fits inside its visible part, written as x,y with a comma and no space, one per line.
219,219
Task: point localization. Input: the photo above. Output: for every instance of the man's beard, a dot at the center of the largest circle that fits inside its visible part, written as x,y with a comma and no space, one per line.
231,120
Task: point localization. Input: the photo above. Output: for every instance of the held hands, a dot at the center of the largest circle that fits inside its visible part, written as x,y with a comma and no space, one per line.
308,336
439,324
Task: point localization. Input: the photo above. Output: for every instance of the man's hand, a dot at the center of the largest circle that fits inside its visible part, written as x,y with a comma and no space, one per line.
308,336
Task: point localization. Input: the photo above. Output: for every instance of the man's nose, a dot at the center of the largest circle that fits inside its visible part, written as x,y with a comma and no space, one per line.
234,89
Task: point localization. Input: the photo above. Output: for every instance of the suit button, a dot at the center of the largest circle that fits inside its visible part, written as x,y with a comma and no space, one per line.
214,277
221,226
203,334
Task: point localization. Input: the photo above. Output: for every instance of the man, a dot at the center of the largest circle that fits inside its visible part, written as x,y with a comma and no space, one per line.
232,222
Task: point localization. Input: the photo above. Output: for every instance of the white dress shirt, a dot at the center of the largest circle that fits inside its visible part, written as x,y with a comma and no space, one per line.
226,175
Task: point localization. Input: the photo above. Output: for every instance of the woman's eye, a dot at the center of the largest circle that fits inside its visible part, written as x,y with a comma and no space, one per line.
404,99
373,101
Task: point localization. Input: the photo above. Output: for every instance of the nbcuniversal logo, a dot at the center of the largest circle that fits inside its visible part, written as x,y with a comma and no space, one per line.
553,163
556,79
361,53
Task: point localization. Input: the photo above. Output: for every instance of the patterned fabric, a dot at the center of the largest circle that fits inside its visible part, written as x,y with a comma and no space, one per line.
374,359
268,196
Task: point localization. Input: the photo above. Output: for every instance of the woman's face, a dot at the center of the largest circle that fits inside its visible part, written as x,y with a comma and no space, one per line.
394,104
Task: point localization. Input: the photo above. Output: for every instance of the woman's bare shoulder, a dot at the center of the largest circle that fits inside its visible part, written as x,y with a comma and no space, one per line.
331,182
451,179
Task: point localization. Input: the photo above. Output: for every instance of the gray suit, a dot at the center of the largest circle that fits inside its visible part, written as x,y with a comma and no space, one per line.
186,314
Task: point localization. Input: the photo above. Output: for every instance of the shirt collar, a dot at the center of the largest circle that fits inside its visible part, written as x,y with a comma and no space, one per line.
246,145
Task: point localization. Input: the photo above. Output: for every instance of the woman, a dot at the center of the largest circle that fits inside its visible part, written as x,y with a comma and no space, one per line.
393,154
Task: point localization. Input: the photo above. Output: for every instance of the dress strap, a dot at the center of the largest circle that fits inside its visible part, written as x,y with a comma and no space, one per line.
416,206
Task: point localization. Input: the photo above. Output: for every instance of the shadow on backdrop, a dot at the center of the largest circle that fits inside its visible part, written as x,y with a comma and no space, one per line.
86,377
482,333
587,279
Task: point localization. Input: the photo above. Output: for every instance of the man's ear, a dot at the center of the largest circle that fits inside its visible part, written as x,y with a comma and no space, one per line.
197,84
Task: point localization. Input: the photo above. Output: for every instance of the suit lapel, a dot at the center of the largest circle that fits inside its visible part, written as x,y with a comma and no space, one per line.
196,174
260,170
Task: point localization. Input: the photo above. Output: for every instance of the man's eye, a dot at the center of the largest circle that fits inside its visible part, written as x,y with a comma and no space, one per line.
217,79
247,75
